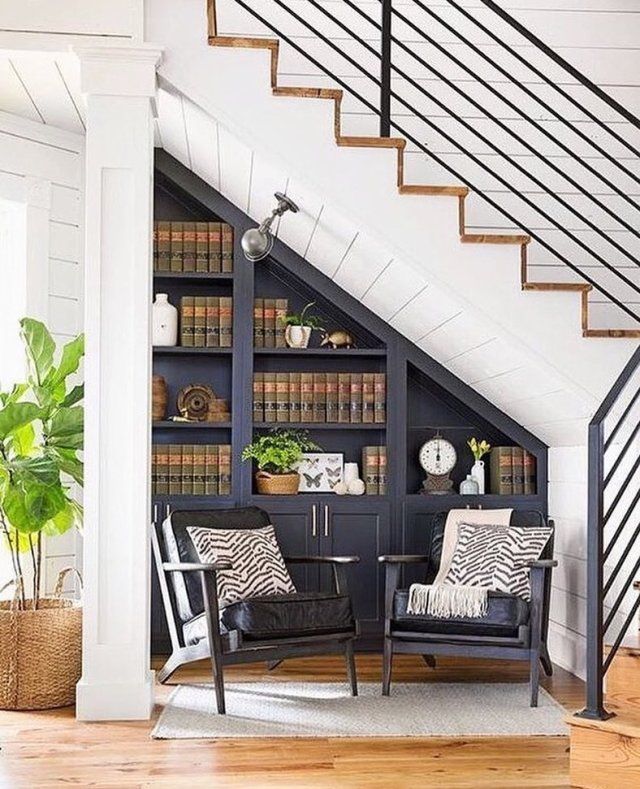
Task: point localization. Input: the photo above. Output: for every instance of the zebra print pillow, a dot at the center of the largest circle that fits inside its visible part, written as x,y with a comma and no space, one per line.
495,557
258,566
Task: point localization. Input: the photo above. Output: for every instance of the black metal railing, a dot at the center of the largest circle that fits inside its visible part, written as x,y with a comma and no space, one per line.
613,450
602,265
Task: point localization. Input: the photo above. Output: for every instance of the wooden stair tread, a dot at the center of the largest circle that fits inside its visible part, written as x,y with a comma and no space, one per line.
371,142
558,286
244,42
625,722
309,93
612,333
493,238
424,189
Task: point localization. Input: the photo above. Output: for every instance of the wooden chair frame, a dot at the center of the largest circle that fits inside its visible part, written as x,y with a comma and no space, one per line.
229,648
530,644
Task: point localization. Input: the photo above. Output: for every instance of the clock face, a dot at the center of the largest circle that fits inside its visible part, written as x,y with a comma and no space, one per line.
438,456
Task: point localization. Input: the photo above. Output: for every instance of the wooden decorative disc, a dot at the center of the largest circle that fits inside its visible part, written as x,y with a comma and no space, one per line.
194,401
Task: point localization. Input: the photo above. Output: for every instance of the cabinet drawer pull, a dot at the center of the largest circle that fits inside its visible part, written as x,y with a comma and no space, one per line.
314,521
326,520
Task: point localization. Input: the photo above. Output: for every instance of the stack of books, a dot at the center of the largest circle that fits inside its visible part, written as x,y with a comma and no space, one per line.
512,471
268,322
320,397
374,470
191,469
193,247
206,321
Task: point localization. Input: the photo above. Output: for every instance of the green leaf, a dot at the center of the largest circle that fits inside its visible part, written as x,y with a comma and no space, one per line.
74,396
15,415
66,428
42,469
21,440
69,463
42,504
15,509
15,394
40,348
62,521
70,360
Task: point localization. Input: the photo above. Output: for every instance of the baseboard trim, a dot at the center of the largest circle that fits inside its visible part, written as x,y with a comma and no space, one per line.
568,650
115,701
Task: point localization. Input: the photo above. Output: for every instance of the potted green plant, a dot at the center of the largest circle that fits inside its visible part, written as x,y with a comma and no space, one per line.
298,327
276,455
41,433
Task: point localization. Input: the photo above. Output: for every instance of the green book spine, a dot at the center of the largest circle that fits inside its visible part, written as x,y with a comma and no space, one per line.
212,334
344,397
501,471
258,397
175,464
164,246
188,246
225,469
176,246
282,397
199,460
215,247
187,318
319,397
199,321
269,323
295,398
226,245
530,482
517,462
370,470
186,469
162,473
368,410
211,470
331,388
226,321
270,404
202,247
306,397
355,410
258,323
382,471
379,398
281,310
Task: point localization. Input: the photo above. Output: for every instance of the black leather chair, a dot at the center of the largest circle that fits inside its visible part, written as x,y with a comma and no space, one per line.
270,628
512,628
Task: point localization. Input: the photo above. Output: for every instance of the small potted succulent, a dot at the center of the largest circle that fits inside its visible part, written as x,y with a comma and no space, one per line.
276,455
298,327
478,450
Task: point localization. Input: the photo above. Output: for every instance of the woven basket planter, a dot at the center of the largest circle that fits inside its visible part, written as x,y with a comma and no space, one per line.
40,654
277,484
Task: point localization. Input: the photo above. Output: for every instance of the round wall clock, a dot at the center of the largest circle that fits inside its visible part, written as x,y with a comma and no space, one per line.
438,458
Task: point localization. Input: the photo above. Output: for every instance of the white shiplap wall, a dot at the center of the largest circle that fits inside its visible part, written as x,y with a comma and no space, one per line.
30,149
600,37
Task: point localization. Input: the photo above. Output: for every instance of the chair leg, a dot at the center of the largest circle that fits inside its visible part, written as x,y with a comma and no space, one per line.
351,667
547,665
534,676
218,680
273,664
387,659
173,664
429,660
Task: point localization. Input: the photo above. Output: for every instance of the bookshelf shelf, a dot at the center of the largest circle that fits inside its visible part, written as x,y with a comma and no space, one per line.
193,276
181,350
321,425
167,424
324,352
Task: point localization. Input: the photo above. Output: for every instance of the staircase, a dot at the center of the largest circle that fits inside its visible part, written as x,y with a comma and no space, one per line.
587,283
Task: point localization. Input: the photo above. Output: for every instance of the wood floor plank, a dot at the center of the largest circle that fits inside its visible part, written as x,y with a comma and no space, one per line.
52,749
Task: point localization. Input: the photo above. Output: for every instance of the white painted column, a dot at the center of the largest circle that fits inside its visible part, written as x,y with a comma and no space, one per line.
119,84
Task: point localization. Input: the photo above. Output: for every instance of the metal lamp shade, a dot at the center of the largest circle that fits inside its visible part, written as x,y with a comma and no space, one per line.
257,243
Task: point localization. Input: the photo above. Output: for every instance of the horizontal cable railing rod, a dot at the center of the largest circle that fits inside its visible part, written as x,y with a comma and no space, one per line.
577,75
622,454
439,159
480,136
621,527
558,89
553,193
623,631
611,580
512,105
621,492
623,418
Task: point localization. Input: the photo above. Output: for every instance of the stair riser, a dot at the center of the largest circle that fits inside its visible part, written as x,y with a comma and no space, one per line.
623,680
603,759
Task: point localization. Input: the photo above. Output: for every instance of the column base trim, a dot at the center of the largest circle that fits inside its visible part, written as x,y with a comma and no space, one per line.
114,701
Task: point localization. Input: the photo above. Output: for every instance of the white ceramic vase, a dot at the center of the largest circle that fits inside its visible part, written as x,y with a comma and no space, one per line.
297,336
351,472
477,472
165,321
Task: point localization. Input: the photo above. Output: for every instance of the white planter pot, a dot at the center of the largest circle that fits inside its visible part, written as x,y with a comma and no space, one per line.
351,472
297,336
165,321
477,472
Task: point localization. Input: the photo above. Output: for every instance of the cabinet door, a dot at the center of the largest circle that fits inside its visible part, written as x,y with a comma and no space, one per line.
296,521
359,526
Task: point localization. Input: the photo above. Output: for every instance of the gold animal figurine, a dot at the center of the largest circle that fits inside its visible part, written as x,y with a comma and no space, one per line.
338,339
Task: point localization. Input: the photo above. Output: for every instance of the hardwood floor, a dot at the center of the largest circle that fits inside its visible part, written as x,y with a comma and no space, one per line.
51,749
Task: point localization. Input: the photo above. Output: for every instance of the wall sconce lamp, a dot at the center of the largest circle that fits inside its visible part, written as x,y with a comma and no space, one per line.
257,242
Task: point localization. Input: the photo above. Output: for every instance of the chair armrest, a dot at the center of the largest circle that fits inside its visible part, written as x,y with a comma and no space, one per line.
543,564
407,558
194,567
322,559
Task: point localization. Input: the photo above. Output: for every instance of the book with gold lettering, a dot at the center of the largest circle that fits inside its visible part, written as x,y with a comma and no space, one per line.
258,397
215,247
176,247
211,470
188,246
199,321
224,461
282,397
187,321
295,398
226,321
226,245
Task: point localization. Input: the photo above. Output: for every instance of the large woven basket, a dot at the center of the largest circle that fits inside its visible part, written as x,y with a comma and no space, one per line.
277,484
40,654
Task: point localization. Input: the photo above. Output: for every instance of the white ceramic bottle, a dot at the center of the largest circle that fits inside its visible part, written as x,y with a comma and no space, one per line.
165,321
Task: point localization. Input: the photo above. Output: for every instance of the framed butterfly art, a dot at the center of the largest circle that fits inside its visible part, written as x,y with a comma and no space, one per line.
320,471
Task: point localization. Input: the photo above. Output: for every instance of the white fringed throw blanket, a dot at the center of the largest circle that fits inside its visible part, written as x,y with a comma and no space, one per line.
445,600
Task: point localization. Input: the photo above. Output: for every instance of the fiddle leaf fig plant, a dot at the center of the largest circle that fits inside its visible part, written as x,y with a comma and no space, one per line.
280,450
41,433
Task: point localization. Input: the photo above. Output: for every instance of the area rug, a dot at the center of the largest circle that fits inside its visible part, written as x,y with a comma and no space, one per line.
315,709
